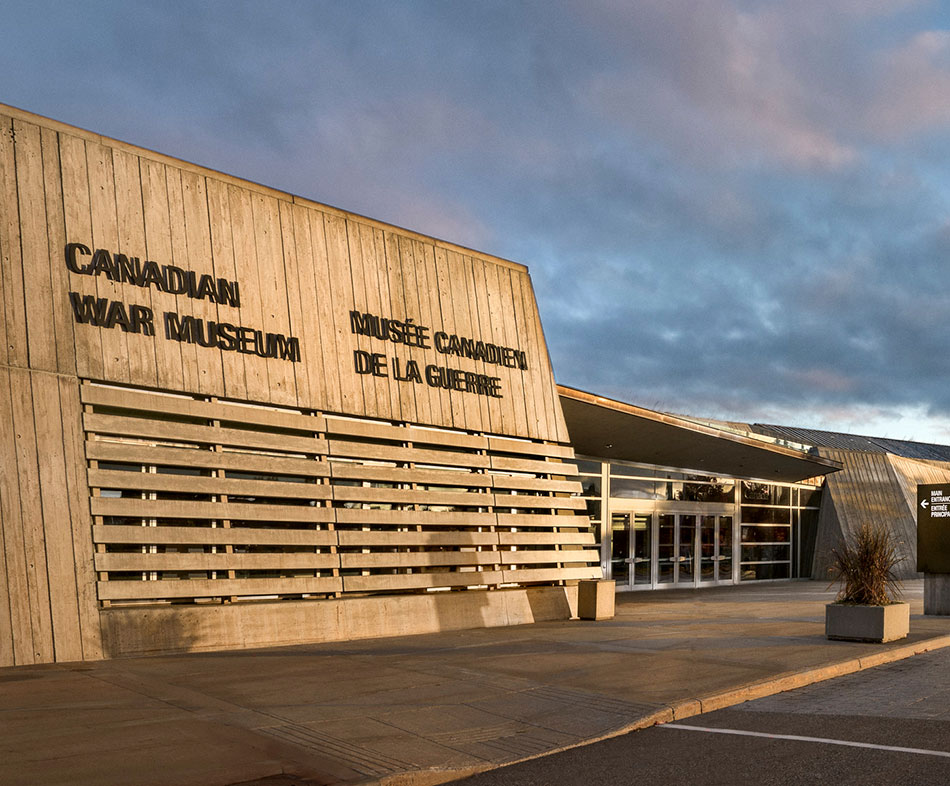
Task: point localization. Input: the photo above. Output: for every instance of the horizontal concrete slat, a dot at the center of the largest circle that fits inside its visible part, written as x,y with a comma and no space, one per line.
197,484
128,452
148,401
183,509
220,562
207,435
420,581
149,590
212,536
422,559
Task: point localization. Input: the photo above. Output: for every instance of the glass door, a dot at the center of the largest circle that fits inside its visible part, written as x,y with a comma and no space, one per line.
715,549
631,549
677,549
686,544
666,548
657,550
620,550
641,562
708,549
724,554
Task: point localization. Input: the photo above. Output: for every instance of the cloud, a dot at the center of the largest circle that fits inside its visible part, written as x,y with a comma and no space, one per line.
914,94
729,208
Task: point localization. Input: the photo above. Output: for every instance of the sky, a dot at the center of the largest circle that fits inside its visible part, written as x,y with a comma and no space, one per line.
735,210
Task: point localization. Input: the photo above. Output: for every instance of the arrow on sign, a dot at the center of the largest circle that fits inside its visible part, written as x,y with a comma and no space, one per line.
925,504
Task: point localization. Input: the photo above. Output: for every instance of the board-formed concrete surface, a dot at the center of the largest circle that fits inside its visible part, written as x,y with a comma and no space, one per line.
429,708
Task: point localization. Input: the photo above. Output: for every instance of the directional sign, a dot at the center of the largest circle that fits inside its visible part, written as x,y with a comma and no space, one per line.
933,528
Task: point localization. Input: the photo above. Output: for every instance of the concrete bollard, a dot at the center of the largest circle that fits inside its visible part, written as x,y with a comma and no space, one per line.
595,599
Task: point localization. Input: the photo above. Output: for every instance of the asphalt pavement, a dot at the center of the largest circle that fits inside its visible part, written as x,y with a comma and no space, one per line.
886,725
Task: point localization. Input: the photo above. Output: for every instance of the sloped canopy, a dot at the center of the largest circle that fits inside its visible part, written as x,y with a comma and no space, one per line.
611,429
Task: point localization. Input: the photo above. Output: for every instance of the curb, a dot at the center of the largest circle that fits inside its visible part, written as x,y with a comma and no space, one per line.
792,680
685,709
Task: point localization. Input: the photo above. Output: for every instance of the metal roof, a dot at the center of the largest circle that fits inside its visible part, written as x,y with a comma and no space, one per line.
840,441
604,428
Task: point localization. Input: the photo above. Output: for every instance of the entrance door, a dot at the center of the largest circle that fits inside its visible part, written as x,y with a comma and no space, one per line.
686,542
641,564
677,549
631,548
656,550
715,549
620,550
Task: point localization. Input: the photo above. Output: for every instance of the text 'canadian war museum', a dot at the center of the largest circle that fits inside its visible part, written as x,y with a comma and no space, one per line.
231,417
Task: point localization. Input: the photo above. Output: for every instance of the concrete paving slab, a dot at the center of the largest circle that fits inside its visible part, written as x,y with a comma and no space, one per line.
424,709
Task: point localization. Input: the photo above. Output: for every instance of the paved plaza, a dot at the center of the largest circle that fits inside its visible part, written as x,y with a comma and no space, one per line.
429,708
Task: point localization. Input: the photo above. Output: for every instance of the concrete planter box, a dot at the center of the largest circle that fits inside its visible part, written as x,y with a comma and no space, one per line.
867,623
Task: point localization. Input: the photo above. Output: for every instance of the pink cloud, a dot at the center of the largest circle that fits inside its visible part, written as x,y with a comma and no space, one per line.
914,93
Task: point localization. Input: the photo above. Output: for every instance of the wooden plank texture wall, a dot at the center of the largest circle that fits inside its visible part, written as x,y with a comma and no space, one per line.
878,488
200,500
366,518
301,268
48,605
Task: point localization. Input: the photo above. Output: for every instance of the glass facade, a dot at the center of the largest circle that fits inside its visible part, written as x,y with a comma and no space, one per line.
665,527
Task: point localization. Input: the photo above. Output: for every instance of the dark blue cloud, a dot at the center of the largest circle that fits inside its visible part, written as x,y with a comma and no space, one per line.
730,208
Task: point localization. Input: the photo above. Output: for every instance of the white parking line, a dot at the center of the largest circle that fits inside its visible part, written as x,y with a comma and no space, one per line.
797,738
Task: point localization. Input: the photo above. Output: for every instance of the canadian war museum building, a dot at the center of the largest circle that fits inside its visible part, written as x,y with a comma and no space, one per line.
232,417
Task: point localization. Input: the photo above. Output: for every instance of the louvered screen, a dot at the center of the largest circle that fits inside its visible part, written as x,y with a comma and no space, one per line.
197,499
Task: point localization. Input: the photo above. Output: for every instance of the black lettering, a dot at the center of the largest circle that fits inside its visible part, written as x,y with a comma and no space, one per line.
229,293
362,360
422,340
433,376
117,316
227,336
71,250
140,318
412,371
397,331
88,309
362,324
102,263
396,370
206,289
190,283
247,341
174,283
206,333
370,363
125,271
276,345
293,350
174,280
260,348
180,329
149,275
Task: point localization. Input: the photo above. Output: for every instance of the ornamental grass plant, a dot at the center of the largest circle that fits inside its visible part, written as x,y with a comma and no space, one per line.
865,567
